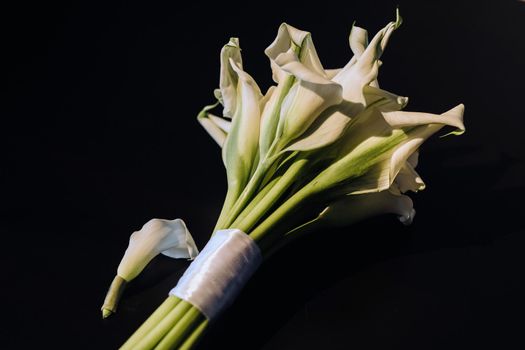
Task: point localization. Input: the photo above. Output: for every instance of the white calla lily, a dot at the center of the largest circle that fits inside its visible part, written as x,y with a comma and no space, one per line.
293,53
352,209
223,124
363,68
401,119
332,123
227,93
374,152
241,145
240,152
408,179
290,39
303,89
360,91
310,95
168,237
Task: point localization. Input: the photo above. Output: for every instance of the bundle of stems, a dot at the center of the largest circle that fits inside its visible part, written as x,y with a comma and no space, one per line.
322,148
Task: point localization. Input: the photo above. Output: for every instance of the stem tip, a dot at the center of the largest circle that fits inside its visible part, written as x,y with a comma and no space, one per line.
113,296
106,313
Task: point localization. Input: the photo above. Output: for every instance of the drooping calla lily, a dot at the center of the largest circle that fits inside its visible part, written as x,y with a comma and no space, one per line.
167,237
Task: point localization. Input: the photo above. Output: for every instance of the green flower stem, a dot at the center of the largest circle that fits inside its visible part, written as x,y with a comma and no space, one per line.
273,195
227,219
352,167
113,296
231,198
191,319
255,201
306,228
195,336
162,327
163,310
259,235
230,210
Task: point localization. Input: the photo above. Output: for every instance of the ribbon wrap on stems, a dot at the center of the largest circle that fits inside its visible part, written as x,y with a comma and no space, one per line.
219,272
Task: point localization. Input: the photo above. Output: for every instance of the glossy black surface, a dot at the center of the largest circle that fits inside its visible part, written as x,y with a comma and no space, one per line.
99,135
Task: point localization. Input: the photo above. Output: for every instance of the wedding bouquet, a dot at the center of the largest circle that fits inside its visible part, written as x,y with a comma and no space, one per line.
322,148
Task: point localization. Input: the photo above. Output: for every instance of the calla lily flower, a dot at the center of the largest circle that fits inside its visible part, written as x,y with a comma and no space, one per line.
167,237
354,208
310,107
293,54
344,110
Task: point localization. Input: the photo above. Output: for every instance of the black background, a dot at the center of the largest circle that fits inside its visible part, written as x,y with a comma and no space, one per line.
99,135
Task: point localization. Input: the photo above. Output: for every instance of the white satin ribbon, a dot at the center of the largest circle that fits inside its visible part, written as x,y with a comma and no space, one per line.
218,273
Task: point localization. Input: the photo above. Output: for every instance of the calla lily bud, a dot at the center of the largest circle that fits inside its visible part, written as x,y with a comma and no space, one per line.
157,236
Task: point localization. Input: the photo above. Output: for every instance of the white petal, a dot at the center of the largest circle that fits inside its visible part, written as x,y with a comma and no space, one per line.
241,145
418,135
310,96
270,113
374,153
228,77
414,159
383,100
331,124
292,109
267,96
291,64
363,68
210,124
401,154
170,238
453,117
223,124
408,179
352,209
330,73
187,250
358,40
326,129
287,39
304,105
216,133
